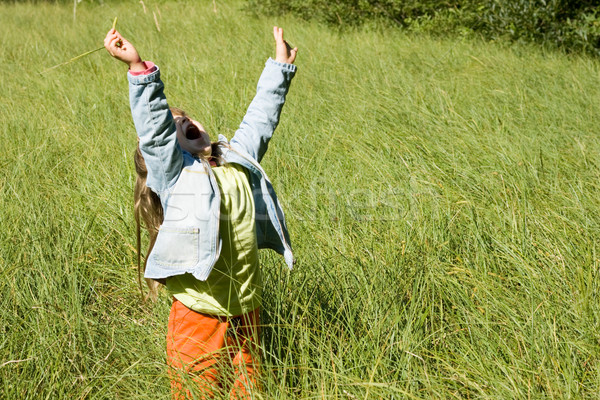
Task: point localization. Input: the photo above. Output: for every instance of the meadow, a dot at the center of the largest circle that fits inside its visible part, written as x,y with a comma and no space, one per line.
442,195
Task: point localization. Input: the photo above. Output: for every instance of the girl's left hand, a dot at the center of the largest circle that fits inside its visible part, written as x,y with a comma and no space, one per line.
283,51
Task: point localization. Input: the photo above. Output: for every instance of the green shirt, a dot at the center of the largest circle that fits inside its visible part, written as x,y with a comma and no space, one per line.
234,286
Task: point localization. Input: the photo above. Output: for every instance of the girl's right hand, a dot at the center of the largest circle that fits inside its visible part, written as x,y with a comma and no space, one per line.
120,48
283,51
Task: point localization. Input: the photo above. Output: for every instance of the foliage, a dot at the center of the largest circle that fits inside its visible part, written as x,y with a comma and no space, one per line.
352,12
568,24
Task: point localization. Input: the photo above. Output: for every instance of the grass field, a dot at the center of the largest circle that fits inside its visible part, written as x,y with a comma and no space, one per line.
443,198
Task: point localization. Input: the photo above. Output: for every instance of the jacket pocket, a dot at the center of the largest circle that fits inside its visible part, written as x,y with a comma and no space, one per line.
176,247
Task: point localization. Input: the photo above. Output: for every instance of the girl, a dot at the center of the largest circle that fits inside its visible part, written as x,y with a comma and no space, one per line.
208,208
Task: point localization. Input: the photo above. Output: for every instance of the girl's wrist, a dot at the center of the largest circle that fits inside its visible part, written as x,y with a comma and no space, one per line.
137,66
150,67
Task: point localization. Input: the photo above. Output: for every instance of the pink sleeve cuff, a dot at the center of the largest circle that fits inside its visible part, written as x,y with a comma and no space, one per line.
150,67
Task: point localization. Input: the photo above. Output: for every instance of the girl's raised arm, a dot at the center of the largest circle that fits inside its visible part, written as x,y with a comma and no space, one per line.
153,121
262,116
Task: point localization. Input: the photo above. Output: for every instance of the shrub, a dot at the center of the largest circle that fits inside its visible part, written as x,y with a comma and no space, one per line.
352,12
572,25
567,24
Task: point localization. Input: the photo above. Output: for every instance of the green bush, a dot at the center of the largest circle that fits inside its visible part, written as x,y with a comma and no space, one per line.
568,24
353,12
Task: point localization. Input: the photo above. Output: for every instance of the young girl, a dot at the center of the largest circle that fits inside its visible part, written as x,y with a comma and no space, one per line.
208,208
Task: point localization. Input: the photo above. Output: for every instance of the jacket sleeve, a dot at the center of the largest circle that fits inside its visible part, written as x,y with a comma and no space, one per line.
156,130
262,116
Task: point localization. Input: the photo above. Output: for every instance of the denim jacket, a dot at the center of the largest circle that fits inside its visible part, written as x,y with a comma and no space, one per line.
188,240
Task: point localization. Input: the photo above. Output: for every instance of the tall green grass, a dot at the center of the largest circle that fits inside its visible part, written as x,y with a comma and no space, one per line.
442,197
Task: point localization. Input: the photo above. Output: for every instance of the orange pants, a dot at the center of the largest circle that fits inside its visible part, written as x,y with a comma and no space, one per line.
211,355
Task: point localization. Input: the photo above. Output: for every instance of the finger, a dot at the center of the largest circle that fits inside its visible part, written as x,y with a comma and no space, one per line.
111,36
113,44
112,33
278,34
108,37
113,40
288,47
107,42
293,53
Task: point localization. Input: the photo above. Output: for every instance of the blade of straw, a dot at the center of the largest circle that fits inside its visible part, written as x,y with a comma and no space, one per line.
73,59
81,55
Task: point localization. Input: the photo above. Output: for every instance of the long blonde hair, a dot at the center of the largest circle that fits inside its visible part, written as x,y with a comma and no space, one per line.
146,208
